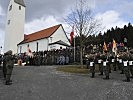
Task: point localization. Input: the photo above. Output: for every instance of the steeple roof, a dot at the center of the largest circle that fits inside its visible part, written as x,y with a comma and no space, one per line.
21,2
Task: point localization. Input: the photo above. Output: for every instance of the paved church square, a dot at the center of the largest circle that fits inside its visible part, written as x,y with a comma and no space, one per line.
45,83
38,36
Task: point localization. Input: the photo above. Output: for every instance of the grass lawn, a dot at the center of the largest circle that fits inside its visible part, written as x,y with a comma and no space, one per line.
74,69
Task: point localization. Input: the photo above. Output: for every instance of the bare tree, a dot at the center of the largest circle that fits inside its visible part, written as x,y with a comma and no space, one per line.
84,23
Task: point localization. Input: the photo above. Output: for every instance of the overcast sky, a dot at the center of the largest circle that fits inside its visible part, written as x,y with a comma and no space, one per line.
41,14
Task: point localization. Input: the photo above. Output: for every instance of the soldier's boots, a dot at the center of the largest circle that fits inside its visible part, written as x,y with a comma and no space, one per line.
127,80
115,69
122,72
106,78
8,82
131,77
101,73
93,75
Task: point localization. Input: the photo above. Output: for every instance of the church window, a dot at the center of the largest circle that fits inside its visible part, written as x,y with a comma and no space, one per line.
10,8
8,22
37,46
60,47
19,7
20,49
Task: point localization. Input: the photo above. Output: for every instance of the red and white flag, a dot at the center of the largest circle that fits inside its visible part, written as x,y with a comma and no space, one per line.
105,47
29,52
71,35
114,48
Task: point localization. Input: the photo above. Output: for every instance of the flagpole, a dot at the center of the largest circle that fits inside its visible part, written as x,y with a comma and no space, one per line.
74,48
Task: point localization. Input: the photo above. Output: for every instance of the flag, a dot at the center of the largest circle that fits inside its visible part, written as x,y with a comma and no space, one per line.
114,47
29,52
71,35
104,47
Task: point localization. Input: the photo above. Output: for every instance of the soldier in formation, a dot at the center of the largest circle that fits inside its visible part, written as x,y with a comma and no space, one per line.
131,62
99,58
91,63
126,68
106,66
123,62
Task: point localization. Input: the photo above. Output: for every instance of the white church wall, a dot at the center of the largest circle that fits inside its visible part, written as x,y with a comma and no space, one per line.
42,45
14,33
59,35
56,46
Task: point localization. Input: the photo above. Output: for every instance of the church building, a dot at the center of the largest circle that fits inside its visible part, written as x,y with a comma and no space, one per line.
15,40
47,39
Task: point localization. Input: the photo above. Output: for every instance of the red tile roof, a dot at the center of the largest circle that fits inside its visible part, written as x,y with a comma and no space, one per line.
40,34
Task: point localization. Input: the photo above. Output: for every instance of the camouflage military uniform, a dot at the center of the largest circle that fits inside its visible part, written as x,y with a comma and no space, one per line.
126,67
120,64
131,62
91,65
106,66
114,61
9,59
100,64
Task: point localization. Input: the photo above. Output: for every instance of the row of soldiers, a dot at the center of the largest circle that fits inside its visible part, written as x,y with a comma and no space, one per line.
47,59
123,61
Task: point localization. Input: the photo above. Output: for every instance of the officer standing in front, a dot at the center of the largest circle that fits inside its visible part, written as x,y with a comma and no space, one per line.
9,63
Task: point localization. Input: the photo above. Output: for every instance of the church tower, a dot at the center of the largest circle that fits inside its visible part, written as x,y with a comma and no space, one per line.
14,31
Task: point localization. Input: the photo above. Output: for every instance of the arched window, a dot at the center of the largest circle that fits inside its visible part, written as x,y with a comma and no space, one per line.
19,7
8,22
20,49
10,8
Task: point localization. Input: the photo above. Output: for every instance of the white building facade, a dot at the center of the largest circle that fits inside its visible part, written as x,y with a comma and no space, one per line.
47,39
14,32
